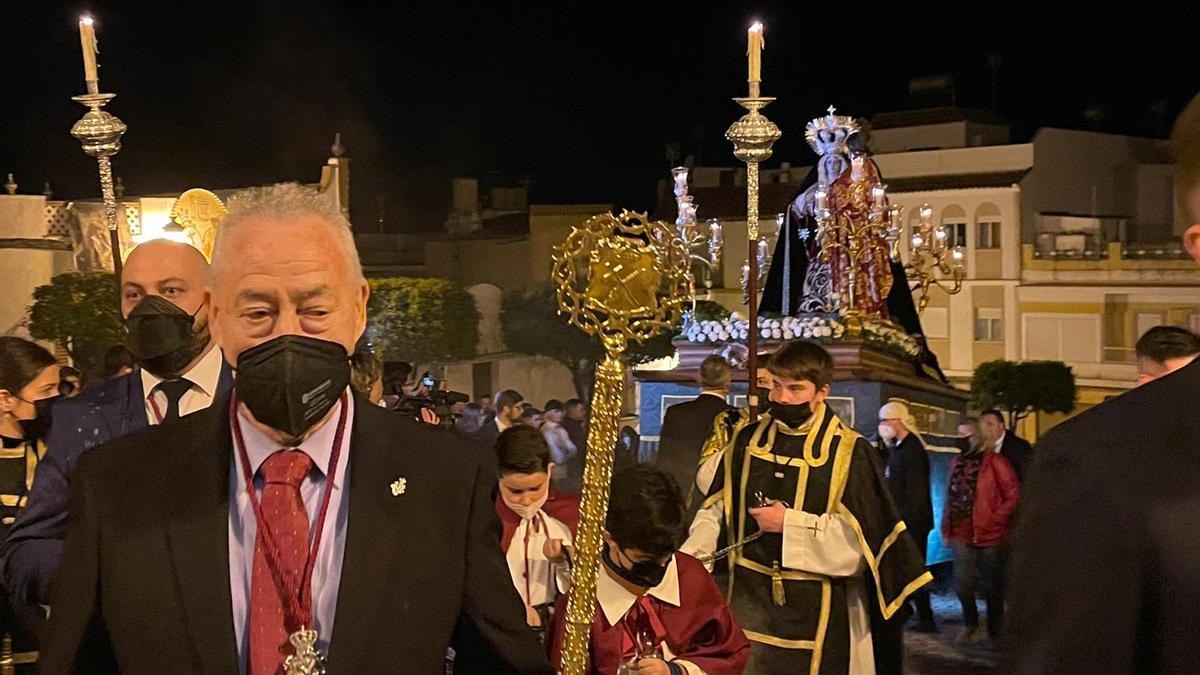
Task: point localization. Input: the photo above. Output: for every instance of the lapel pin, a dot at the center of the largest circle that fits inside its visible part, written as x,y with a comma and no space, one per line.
399,487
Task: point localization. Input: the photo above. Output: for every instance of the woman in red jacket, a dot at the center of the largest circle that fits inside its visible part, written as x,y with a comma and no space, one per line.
976,522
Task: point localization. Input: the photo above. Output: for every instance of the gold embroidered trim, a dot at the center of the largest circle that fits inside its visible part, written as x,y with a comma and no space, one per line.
887,609
779,642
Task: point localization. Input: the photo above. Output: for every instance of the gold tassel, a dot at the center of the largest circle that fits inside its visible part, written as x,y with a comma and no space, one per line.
777,592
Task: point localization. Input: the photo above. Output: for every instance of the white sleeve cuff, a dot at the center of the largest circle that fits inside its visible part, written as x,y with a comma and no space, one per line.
820,544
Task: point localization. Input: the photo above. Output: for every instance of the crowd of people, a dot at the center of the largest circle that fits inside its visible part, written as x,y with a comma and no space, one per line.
241,477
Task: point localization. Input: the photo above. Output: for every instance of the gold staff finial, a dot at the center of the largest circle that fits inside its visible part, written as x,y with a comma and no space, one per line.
621,278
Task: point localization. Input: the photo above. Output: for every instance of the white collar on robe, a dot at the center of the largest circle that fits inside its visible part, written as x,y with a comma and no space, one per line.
615,601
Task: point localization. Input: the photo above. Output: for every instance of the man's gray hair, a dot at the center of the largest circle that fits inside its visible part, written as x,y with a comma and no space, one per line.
284,201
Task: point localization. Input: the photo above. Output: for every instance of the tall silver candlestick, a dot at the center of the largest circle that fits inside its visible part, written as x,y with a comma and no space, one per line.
100,133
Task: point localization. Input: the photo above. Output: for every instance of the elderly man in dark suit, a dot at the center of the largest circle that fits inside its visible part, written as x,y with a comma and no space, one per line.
1106,570
292,521
181,372
687,426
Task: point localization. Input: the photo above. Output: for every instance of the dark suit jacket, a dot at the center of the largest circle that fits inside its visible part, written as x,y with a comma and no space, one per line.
1017,451
488,433
1106,568
685,428
907,475
106,411
144,585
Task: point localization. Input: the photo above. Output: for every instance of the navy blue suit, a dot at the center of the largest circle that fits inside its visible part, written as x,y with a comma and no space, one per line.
34,547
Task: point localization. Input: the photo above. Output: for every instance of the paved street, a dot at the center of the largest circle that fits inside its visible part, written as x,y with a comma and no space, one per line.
940,653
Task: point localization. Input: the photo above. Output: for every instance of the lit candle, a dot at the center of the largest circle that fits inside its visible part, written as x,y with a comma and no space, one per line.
754,49
877,193
926,213
714,227
762,252
87,41
822,200
856,168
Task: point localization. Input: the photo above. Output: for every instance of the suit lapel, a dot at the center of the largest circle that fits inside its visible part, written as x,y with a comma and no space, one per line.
124,408
375,521
135,406
225,381
198,537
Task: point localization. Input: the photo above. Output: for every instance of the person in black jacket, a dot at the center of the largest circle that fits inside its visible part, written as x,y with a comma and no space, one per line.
1012,447
509,408
907,472
687,426
393,557
1106,567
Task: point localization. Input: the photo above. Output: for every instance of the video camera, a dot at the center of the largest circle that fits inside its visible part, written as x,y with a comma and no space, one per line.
429,393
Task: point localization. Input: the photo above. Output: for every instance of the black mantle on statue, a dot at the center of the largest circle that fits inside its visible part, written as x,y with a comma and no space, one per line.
795,244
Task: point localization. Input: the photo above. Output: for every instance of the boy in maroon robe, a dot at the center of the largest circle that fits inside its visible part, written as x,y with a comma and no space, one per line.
658,612
538,522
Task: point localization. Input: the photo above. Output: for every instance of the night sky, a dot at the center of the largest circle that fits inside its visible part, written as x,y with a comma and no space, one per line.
582,100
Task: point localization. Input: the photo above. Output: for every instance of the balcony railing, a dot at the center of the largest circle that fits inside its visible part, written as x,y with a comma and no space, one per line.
1115,257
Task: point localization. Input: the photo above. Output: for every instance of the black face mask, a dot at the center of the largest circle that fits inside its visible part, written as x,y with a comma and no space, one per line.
291,382
162,337
964,446
39,426
646,574
764,398
792,415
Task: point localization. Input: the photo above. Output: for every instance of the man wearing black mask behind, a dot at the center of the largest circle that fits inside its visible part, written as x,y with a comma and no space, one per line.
338,488
181,372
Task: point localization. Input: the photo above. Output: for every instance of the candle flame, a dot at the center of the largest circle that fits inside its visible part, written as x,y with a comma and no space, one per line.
757,27
86,20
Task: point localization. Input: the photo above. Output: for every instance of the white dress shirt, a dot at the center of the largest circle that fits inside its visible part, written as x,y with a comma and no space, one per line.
203,376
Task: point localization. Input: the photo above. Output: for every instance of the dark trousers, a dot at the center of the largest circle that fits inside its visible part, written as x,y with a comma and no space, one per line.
976,567
924,609
921,598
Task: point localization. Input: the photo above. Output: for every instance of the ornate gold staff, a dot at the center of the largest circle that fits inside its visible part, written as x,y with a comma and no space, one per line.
100,133
619,278
752,137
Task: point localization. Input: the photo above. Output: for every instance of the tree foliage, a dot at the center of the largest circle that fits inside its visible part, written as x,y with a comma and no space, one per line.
421,320
530,324
81,312
1022,388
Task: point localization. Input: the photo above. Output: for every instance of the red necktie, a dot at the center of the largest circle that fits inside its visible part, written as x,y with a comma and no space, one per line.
640,624
287,521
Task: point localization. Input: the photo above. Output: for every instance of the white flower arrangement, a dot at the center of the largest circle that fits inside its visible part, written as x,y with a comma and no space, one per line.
891,338
817,327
